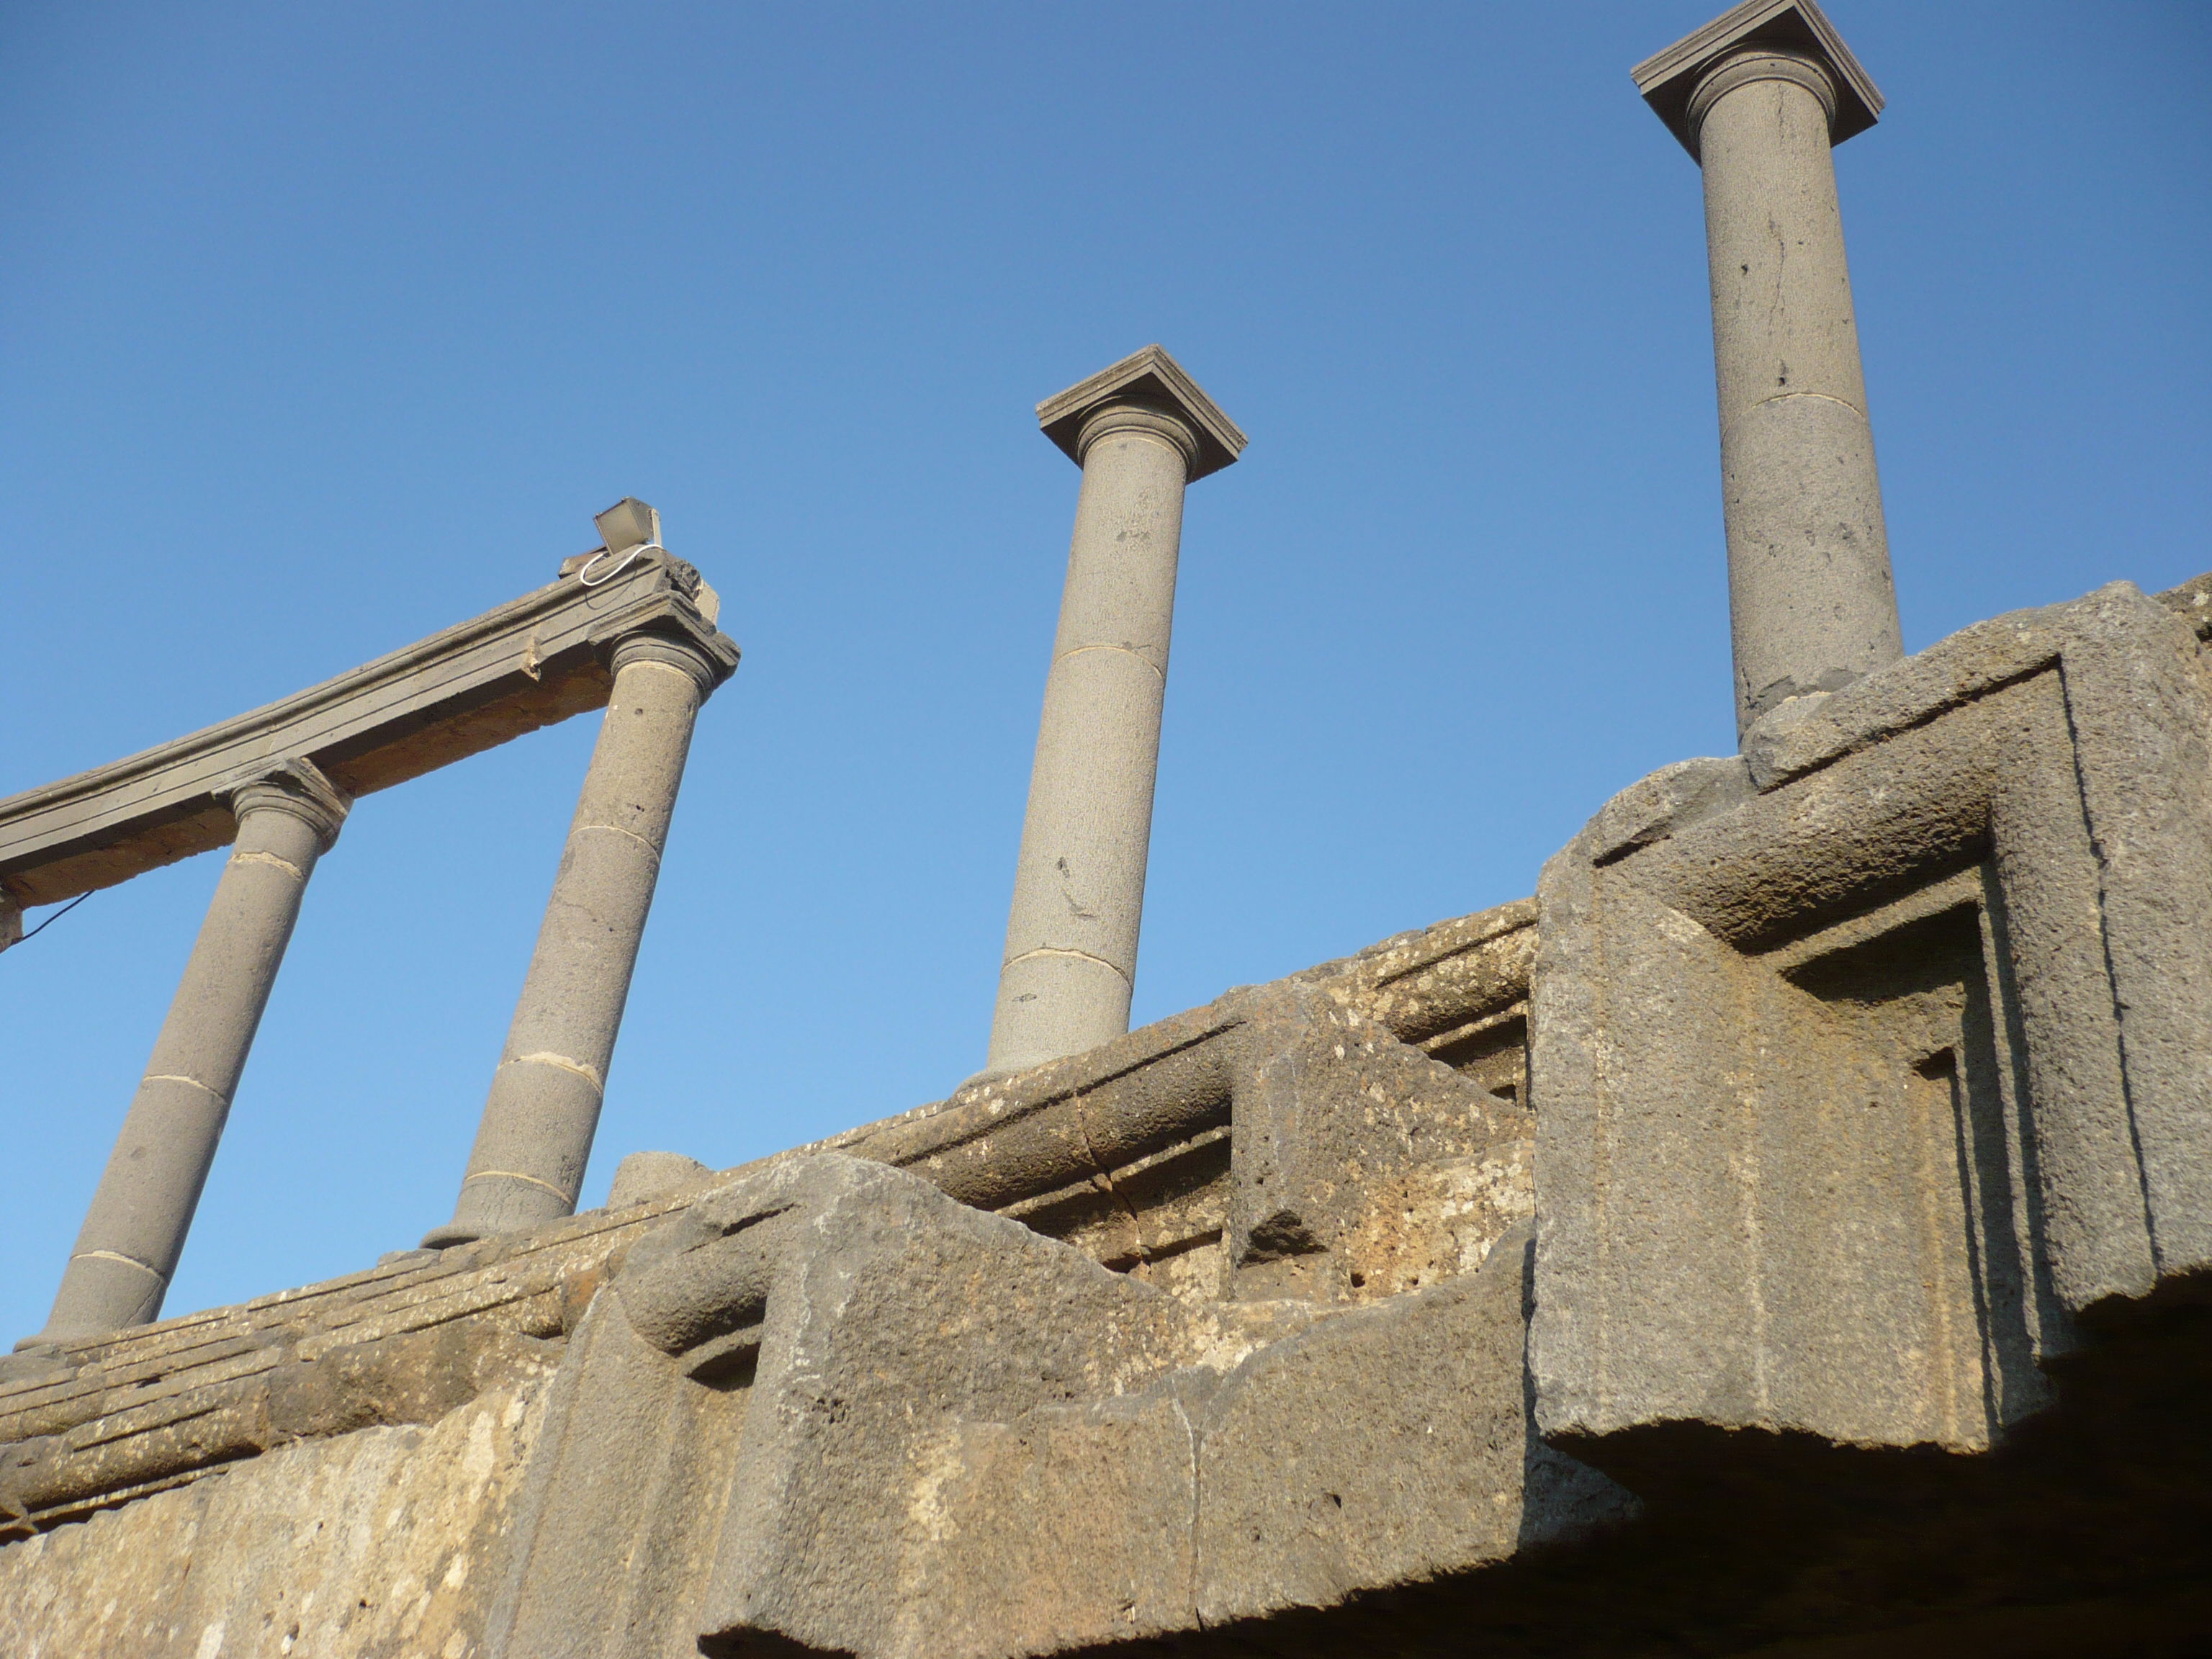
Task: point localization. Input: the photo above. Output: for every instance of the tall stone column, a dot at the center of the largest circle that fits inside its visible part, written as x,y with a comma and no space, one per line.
1759,96
288,818
535,1136
1140,431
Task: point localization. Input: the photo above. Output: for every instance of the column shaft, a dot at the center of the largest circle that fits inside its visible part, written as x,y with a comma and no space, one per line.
1070,955
135,1231
1811,603
535,1137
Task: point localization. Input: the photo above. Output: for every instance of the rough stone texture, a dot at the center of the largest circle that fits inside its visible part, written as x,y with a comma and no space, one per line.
371,1546
1361,1167
642,1175
1304,1501
897,1427
105,1418
1890,1058
1122,1153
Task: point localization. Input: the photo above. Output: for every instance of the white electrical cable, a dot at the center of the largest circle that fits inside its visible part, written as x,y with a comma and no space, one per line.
585,574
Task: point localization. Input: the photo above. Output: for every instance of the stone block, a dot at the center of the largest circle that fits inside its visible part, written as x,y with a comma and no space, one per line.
1852,1096
1359,1166
1385,1446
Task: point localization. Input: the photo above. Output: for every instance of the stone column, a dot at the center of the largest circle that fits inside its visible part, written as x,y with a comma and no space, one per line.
535,1137
1759,96
1140,431
288,818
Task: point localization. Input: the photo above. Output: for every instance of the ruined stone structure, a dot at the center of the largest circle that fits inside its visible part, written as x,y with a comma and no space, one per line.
1787,1233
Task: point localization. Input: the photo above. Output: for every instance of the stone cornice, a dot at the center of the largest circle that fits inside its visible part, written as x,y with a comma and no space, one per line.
1150,379
531,663
1667,79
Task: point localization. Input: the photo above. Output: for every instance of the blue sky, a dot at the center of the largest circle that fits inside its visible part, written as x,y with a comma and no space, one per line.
323,328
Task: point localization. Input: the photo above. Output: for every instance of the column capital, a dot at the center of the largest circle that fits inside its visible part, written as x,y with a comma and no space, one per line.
1167,426
295,787
1758,40
709,657
1159,397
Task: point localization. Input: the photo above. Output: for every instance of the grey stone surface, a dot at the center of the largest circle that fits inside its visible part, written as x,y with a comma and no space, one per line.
287,817
648,1175
372,1545
1856,1096
908,1428
1124,1149
1122,1153
535,1134
534,662
1360,1167
1761,95
1139,430
1436,1468
87,1422
1149,379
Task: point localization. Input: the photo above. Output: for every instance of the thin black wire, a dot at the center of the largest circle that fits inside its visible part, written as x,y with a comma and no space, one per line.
54,918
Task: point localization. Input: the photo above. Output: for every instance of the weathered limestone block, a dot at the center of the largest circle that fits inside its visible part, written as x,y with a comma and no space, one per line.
1123,1153
1864,1066
1360,1167
379,1543
1124,1149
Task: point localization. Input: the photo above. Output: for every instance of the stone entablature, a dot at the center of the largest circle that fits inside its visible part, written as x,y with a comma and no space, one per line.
532,662
628,626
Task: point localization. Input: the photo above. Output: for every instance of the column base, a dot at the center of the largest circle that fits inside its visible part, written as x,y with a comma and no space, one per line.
492,1204
103,1293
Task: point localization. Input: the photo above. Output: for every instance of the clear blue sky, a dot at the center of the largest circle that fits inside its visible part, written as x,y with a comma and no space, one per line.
325,327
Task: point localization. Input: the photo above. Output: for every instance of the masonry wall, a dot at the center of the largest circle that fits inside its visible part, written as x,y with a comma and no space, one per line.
374,1545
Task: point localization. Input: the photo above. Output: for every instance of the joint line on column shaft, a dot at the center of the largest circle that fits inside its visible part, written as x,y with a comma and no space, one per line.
564,1063
1825,397
1062,951
517,1175
114,1255
174,1077
616,830
1077,651
285,864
